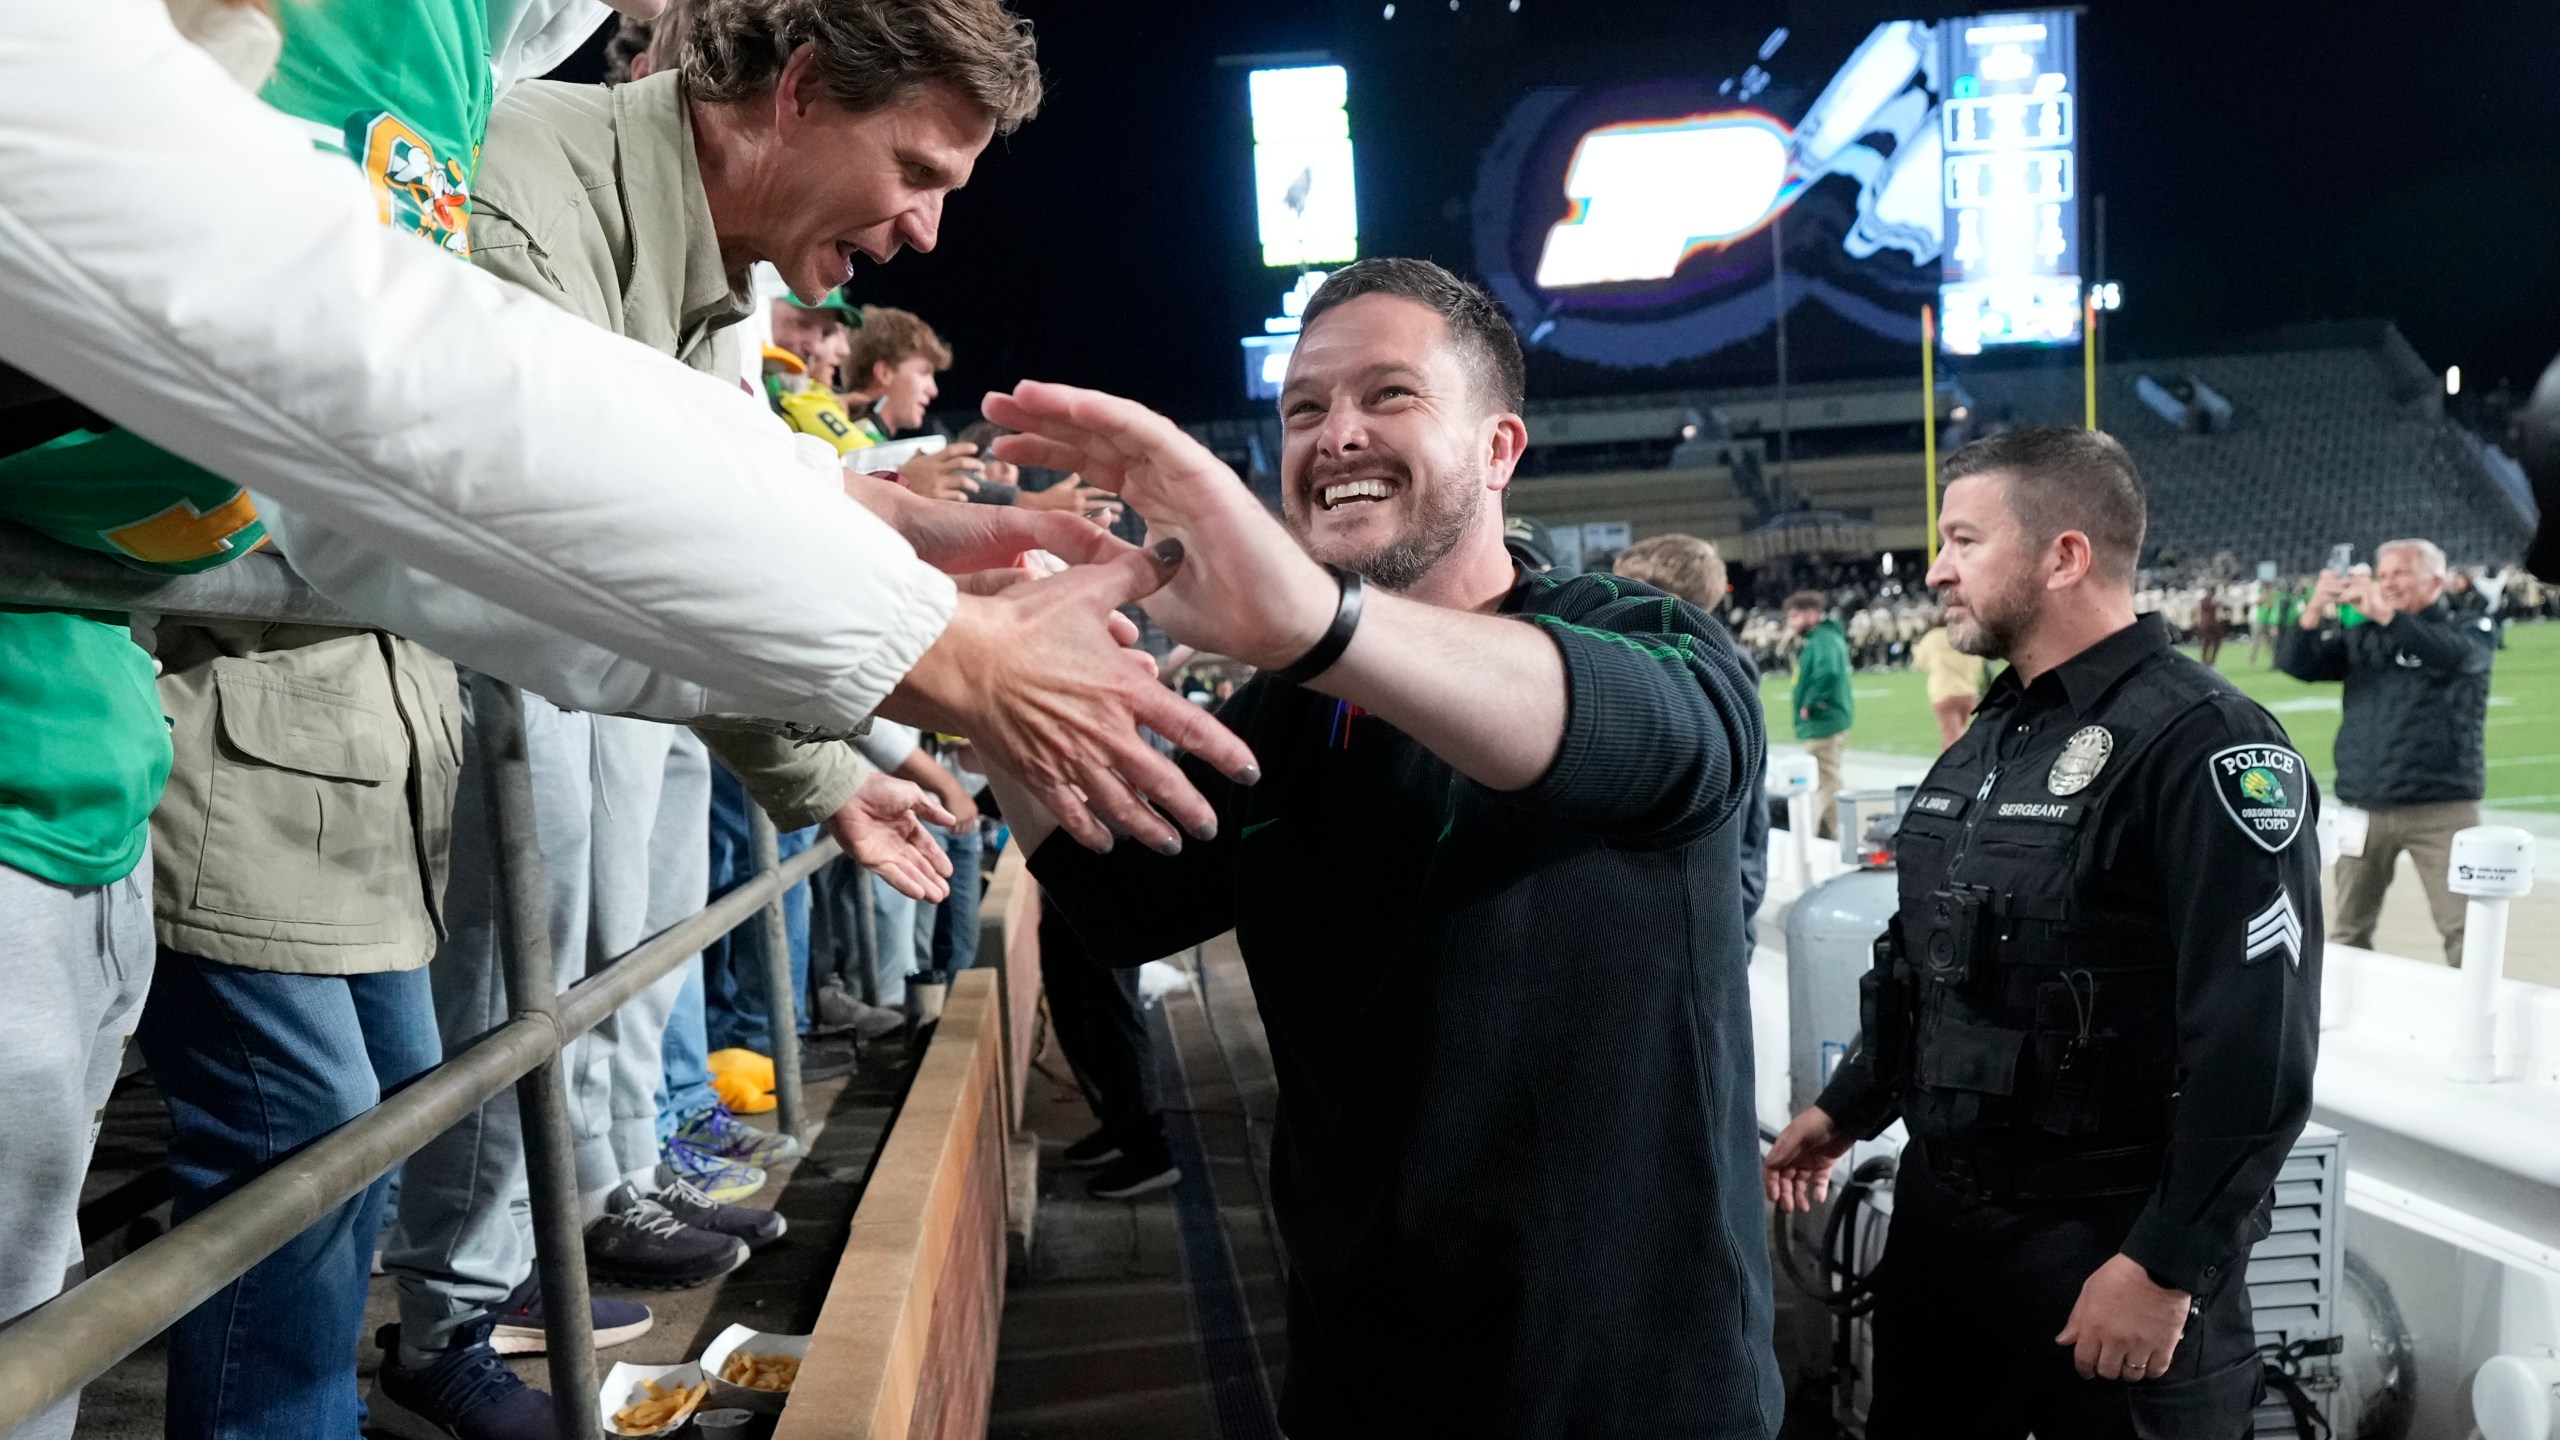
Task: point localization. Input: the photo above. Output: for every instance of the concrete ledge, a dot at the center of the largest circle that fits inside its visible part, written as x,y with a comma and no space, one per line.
905,1345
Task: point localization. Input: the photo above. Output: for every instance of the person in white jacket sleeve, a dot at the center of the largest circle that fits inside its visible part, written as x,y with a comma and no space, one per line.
433,413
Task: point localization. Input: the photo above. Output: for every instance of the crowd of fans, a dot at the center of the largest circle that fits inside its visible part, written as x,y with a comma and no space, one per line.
1884,622
286,891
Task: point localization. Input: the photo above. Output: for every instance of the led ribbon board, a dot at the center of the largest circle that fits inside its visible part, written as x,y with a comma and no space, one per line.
2011,185
1304,204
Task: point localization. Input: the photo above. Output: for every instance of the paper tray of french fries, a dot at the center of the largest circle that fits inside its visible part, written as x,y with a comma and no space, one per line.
752,1369
650,1399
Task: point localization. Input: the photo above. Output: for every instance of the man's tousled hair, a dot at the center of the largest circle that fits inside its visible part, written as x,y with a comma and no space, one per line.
872,53
888,336
2063,478
1676,564
1474,318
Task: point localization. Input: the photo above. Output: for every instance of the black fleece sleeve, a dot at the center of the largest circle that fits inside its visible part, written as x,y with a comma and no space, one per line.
2312,654
1132,905
2246,925
1662,731
2443,642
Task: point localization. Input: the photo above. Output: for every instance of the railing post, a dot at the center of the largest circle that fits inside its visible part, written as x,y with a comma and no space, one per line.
559,1232
780,1013
2491,864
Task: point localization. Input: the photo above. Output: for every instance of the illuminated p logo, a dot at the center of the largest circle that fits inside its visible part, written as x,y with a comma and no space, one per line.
1648,194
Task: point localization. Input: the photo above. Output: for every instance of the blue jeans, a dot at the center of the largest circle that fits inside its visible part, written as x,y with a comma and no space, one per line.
956,921
254,1065
684,1060
733,966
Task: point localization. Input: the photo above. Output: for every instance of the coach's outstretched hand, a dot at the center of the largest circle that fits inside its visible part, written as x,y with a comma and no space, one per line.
1034,675
1244,587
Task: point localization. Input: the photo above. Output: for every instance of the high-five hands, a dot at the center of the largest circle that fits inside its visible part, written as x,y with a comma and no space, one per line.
964,539
950,473
1035,675
1245,588
882,827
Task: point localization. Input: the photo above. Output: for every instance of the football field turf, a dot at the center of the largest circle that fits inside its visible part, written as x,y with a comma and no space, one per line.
2524,715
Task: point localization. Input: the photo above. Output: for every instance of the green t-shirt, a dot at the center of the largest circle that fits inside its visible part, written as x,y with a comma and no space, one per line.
404,90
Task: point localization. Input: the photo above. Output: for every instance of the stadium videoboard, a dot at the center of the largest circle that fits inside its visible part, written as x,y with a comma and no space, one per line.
1625,194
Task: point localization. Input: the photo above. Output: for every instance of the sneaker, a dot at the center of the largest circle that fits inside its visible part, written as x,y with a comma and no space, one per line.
641,1244
723,1179
826,1057
467,1393
838,1012
1133,1175
748,1223
718,1132
519,1316
1097,1148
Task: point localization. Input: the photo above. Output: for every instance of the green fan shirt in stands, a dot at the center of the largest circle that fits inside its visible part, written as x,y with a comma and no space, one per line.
404,91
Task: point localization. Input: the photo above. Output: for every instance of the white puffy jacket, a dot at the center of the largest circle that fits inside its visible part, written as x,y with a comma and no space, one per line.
176,256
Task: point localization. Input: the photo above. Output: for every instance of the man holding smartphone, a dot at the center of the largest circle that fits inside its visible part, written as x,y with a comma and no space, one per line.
2411,758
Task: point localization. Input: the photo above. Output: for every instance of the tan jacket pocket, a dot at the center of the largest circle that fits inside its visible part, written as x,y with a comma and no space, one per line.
307,811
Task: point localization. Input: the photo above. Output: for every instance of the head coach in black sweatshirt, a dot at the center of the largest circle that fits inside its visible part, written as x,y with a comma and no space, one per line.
1486,889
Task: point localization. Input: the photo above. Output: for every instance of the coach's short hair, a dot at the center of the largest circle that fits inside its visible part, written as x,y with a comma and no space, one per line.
1813,600
1682,565
2063,478
1475,319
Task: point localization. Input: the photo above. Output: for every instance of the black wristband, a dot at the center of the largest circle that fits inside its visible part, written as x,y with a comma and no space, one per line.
1337,636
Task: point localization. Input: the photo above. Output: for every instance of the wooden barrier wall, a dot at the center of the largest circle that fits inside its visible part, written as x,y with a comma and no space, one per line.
906,1344
1009,930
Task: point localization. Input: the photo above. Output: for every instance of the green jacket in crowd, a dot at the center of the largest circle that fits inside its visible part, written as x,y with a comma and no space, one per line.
1823,706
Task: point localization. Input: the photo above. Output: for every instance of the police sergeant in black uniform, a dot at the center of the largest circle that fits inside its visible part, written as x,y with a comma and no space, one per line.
2097,1008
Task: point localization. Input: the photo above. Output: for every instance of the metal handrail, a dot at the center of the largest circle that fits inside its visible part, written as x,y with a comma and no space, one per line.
53,1350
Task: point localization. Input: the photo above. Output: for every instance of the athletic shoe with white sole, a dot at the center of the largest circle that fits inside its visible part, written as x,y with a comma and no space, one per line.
1133,1175
466,1393
519,1329
641,1243
724,1180
718,1132
1097,1148
756,1227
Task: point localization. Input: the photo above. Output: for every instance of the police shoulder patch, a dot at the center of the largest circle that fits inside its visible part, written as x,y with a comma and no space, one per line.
2266,790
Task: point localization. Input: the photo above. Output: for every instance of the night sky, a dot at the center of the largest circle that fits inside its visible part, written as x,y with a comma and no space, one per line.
2263,164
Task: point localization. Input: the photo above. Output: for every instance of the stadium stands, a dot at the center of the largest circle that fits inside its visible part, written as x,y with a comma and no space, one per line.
2336,433
2303,439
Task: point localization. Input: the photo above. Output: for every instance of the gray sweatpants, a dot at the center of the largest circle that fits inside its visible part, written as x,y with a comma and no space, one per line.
622,815
78,963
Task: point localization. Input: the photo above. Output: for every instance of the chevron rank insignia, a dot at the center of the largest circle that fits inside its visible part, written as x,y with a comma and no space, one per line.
2278,927
2265,789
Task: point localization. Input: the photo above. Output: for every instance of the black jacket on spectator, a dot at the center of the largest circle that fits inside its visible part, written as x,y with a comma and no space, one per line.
1516,1165
2417,702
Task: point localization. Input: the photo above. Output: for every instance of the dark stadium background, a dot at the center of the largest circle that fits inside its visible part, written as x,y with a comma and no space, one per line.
2263,164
